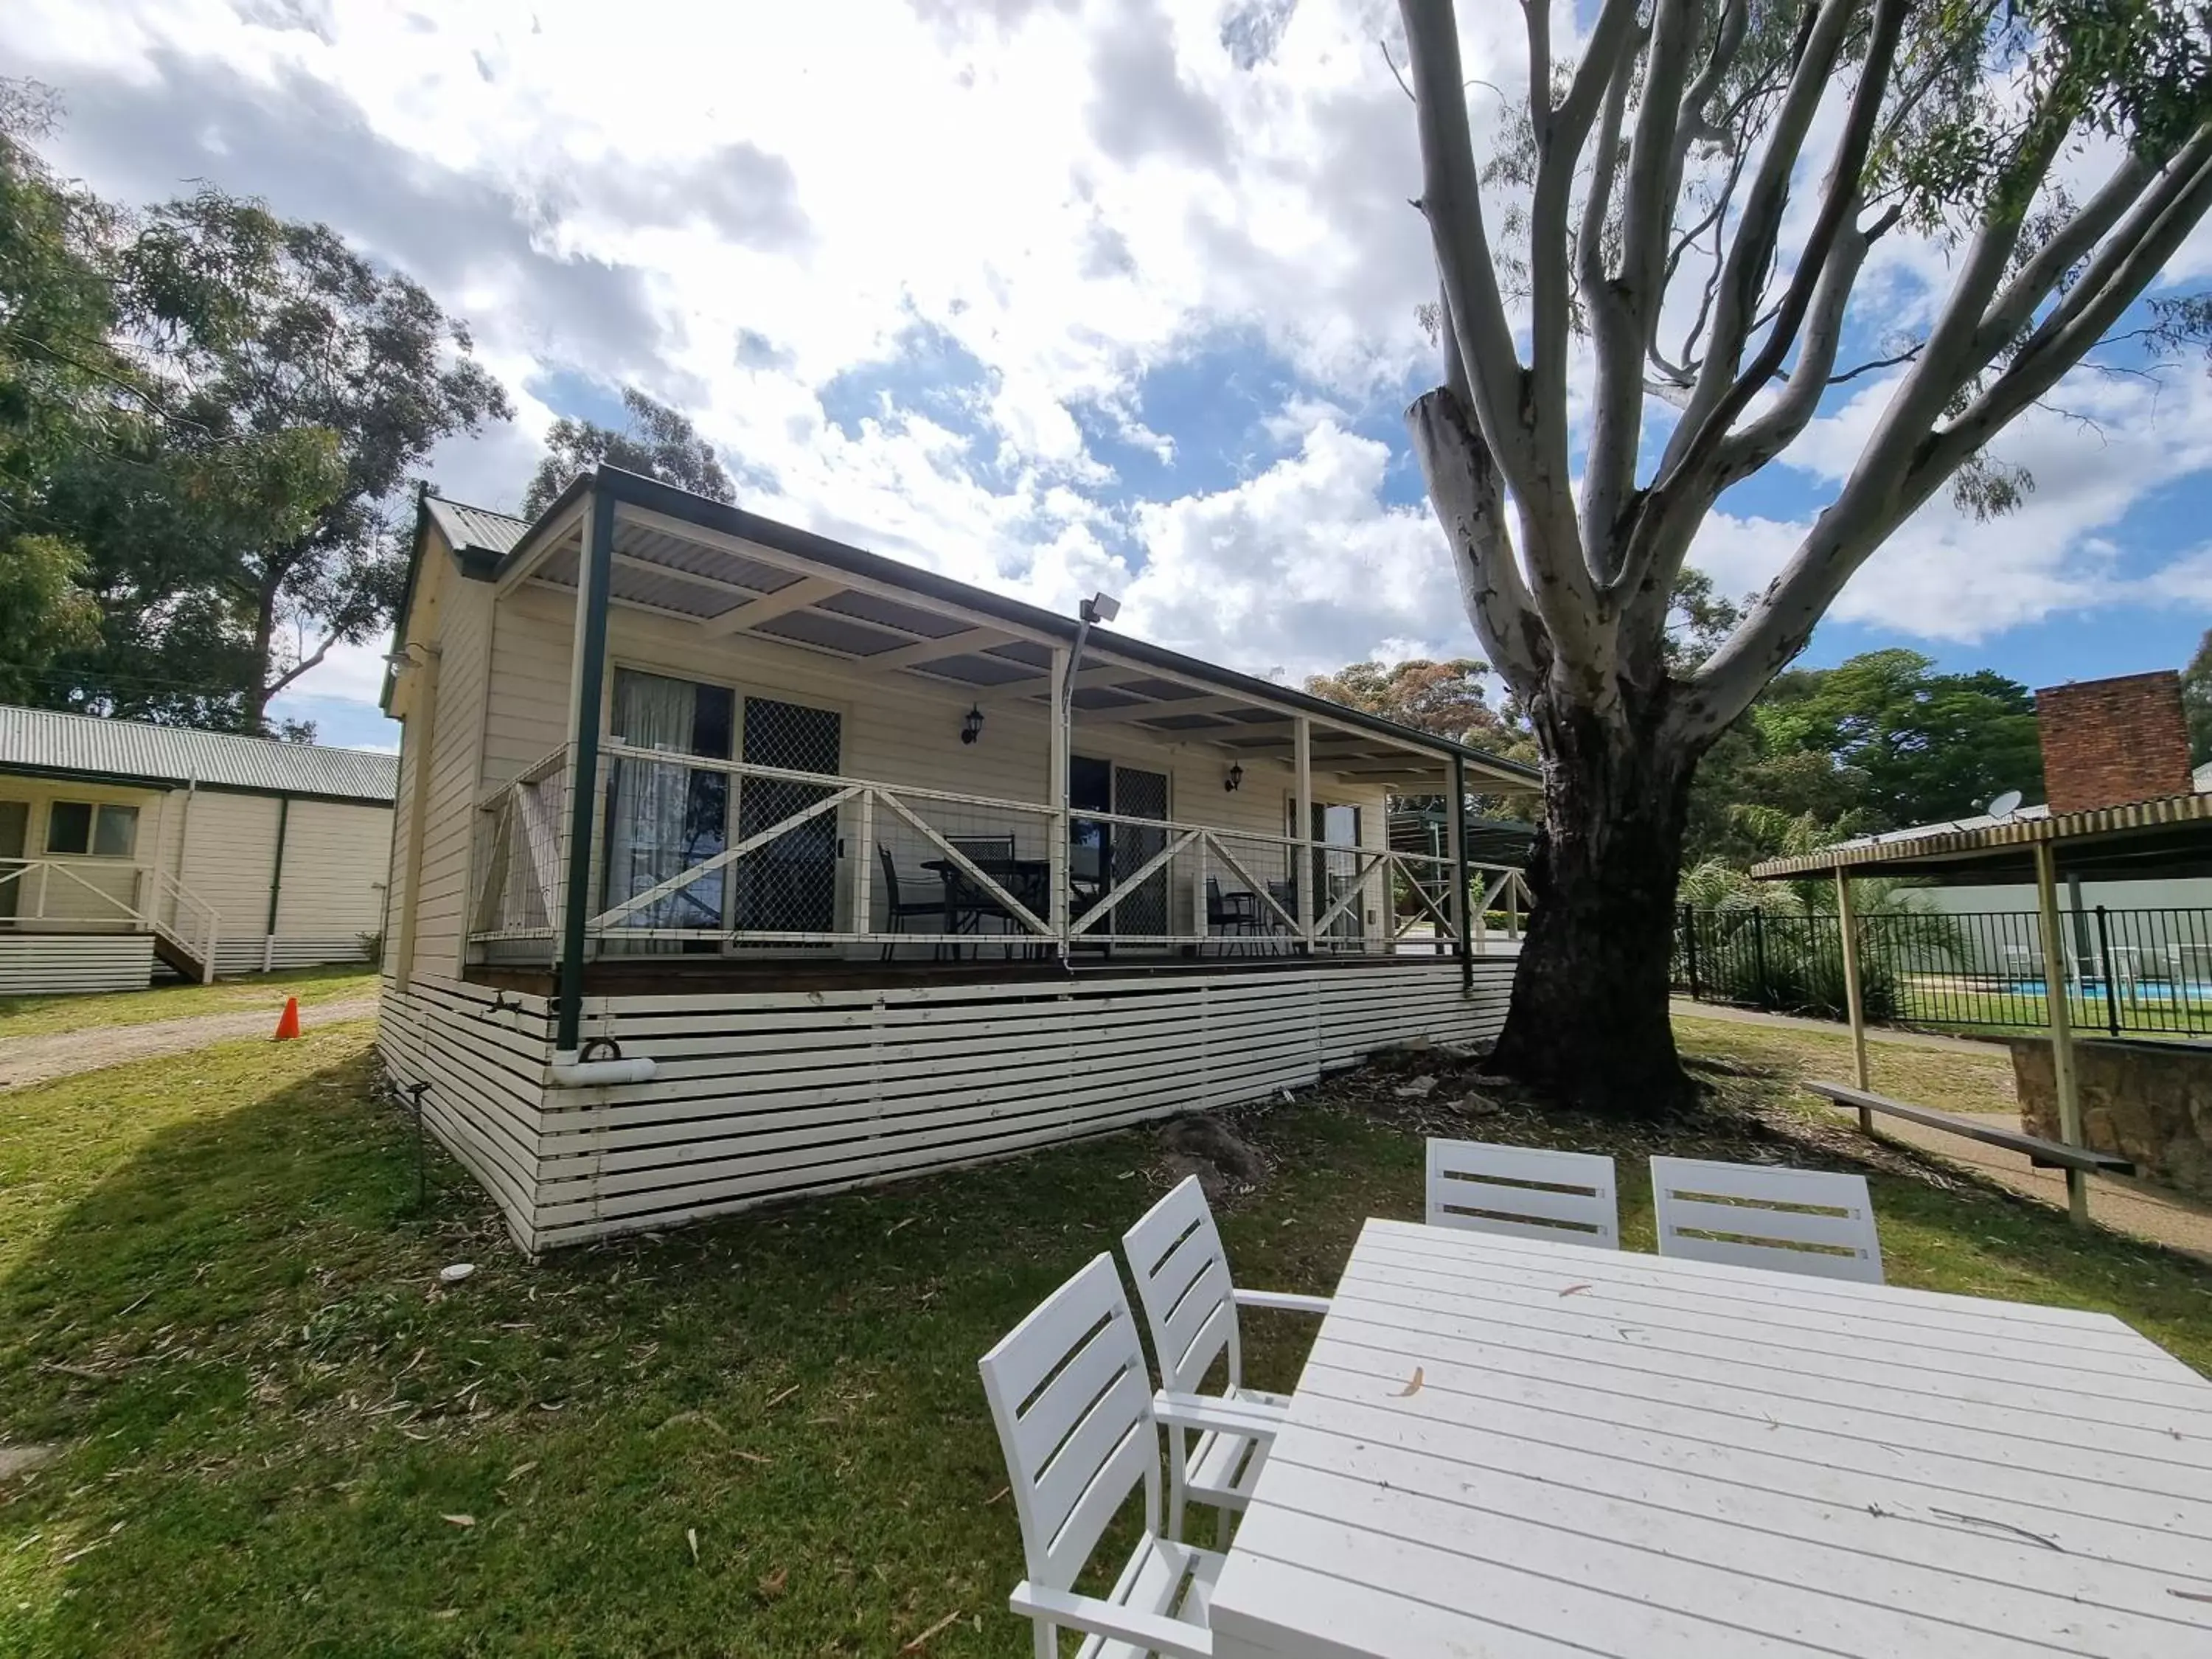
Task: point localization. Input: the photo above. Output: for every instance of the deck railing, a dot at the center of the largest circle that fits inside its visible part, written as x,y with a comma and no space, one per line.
59,894
694,852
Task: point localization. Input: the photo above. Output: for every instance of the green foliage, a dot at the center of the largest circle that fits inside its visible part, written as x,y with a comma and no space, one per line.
2196,700
206,414
1444,699
1879,742
658,442
1931,746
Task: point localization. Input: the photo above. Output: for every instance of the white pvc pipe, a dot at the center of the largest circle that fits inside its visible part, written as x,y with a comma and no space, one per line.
569,1072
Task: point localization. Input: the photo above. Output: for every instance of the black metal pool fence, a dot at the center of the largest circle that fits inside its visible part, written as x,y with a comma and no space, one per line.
2124,970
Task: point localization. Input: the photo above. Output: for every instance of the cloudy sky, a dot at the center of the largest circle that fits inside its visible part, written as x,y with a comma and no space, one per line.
1048,295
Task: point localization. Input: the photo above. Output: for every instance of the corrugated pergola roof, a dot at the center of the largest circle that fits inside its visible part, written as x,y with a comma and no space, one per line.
2169,836
49,743
730,571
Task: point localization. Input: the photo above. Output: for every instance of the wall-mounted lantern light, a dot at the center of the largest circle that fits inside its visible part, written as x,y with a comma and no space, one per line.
1235,780
971,725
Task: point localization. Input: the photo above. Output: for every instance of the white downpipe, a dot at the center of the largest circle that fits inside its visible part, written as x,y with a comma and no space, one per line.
570,1073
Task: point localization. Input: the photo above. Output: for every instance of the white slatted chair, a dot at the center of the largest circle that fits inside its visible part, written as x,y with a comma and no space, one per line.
1190,1306
1561,1198
1755,1215
1076,1418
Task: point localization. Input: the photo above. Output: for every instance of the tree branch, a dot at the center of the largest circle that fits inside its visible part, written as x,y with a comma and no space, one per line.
1451,197
2129,264
1752,254
1893,479
1536,18
1465,491
274,687
1600,79
1623,328
1512,414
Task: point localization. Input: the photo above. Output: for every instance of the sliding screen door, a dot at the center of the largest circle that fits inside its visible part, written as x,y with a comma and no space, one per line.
663,816
788,884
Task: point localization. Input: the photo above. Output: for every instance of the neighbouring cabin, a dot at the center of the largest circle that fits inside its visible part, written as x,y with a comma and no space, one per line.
129,851
732,862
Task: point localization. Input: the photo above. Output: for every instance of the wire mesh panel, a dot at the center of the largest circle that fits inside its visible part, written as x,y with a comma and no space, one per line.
788,883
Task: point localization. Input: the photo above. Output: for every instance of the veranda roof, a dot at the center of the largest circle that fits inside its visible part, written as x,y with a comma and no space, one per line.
2166,837
731,572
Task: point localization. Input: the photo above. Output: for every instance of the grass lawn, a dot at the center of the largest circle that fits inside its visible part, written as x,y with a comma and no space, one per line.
1966,1078
278,1435
22,1017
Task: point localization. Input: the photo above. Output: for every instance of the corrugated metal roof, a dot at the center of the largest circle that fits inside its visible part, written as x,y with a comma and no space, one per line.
41,740
474,526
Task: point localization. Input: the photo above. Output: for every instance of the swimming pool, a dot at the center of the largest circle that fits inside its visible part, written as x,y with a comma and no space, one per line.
2094,990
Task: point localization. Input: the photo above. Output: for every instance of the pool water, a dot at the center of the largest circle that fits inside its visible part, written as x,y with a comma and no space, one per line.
2094,991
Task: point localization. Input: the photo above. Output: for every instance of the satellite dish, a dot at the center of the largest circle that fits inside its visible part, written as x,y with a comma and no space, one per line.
2005,805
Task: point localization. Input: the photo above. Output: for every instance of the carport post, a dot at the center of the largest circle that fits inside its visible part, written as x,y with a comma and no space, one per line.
2061,1025
588,666
1854,1000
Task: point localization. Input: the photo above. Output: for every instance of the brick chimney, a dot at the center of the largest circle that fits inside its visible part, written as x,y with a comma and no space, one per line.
2110,743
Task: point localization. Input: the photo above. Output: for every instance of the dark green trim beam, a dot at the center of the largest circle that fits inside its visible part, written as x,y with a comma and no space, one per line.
276,869
593,589
1463,912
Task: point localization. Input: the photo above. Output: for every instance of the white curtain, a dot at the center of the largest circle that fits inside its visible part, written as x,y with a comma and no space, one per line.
647,843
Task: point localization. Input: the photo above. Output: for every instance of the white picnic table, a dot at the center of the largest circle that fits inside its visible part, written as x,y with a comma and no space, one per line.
1511,1448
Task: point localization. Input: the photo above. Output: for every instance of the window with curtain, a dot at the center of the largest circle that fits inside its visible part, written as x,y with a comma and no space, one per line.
663,816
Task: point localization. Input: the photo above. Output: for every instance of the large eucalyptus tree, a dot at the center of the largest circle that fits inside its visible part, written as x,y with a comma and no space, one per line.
1663,299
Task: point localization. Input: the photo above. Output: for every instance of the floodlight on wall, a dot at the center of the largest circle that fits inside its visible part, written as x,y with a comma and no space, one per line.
971,725
1235,780
1099,608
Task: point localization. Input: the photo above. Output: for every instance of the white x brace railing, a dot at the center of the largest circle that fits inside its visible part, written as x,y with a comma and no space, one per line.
1158,892
158,903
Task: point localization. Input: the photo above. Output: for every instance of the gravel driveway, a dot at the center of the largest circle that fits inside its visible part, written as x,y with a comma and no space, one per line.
25,1060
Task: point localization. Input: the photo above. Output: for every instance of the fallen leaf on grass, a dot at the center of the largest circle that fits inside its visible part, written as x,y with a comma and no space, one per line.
1412,1385
755,1458
996,1496
691,1537
771,1585
517,1472
460,1520
780,1398
896,1226
1574,1290
922,1640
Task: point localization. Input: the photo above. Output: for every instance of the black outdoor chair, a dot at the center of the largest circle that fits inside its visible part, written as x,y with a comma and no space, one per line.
899,908
1232,915
972,905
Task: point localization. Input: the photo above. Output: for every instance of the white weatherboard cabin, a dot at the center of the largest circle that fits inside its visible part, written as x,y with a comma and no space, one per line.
128,849
732,862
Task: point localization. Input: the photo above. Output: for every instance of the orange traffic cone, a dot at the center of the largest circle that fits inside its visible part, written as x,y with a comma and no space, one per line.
288,1024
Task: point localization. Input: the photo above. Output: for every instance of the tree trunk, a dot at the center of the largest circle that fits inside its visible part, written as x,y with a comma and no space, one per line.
1589,1020
264,641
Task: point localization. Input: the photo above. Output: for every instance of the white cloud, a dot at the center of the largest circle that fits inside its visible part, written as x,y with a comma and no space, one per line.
735,205
2102,446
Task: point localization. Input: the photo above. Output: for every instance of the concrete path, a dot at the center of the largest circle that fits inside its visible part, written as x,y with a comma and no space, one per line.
25,1060
1683,1008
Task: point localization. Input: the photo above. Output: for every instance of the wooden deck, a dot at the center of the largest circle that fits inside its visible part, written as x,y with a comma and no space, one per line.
695,976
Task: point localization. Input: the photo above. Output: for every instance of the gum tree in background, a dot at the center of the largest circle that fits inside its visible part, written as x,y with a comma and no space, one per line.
1692,200
658,442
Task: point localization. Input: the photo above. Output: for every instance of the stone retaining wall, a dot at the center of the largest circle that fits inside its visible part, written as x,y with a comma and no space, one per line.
2150,1102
